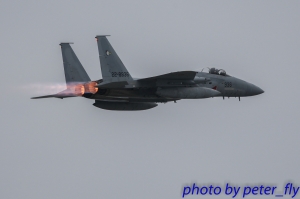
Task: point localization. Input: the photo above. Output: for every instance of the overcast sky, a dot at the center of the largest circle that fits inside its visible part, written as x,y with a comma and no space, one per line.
52,148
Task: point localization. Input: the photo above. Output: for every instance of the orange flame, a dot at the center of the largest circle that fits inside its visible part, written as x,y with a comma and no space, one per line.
77,88
90,87
80,89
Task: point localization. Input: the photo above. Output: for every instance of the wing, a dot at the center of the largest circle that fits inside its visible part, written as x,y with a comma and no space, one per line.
181,78
181,75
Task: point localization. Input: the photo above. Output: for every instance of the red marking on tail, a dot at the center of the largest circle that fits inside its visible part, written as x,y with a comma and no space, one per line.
215,88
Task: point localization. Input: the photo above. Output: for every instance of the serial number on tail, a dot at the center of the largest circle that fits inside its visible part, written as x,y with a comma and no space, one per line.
119,74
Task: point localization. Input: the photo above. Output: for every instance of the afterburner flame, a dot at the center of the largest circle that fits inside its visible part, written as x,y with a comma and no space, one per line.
76,89
90,87
80,89
43,88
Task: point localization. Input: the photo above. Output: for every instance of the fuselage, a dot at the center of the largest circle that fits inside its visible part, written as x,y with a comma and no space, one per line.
229,86
117,90
137,91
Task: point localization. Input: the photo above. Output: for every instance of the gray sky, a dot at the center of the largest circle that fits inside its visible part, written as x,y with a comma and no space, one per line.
54,148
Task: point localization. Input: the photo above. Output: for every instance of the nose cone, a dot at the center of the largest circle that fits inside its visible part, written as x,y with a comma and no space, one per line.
253,90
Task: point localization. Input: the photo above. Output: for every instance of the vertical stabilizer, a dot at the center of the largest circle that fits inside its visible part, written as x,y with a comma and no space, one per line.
112,68
74,71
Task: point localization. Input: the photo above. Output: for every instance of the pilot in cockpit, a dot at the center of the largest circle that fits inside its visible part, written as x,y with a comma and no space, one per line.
214,71
217,71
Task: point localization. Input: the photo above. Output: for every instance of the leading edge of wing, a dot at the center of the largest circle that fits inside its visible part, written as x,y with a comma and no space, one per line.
180,75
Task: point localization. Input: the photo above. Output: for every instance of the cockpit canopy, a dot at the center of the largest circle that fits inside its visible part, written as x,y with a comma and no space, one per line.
217,71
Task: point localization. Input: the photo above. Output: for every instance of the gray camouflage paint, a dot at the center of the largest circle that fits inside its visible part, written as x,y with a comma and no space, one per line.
119,91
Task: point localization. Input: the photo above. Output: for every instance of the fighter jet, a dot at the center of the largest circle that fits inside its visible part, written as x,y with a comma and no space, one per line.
117,90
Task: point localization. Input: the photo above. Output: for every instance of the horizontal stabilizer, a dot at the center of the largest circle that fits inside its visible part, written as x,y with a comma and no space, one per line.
56,96
63,94
44,96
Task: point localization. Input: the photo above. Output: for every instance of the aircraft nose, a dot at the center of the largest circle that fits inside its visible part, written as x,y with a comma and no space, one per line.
254,90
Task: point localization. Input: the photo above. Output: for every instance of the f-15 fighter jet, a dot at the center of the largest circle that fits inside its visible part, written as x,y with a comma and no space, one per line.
117,90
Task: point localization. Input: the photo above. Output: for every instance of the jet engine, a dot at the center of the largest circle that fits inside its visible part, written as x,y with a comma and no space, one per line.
81,89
